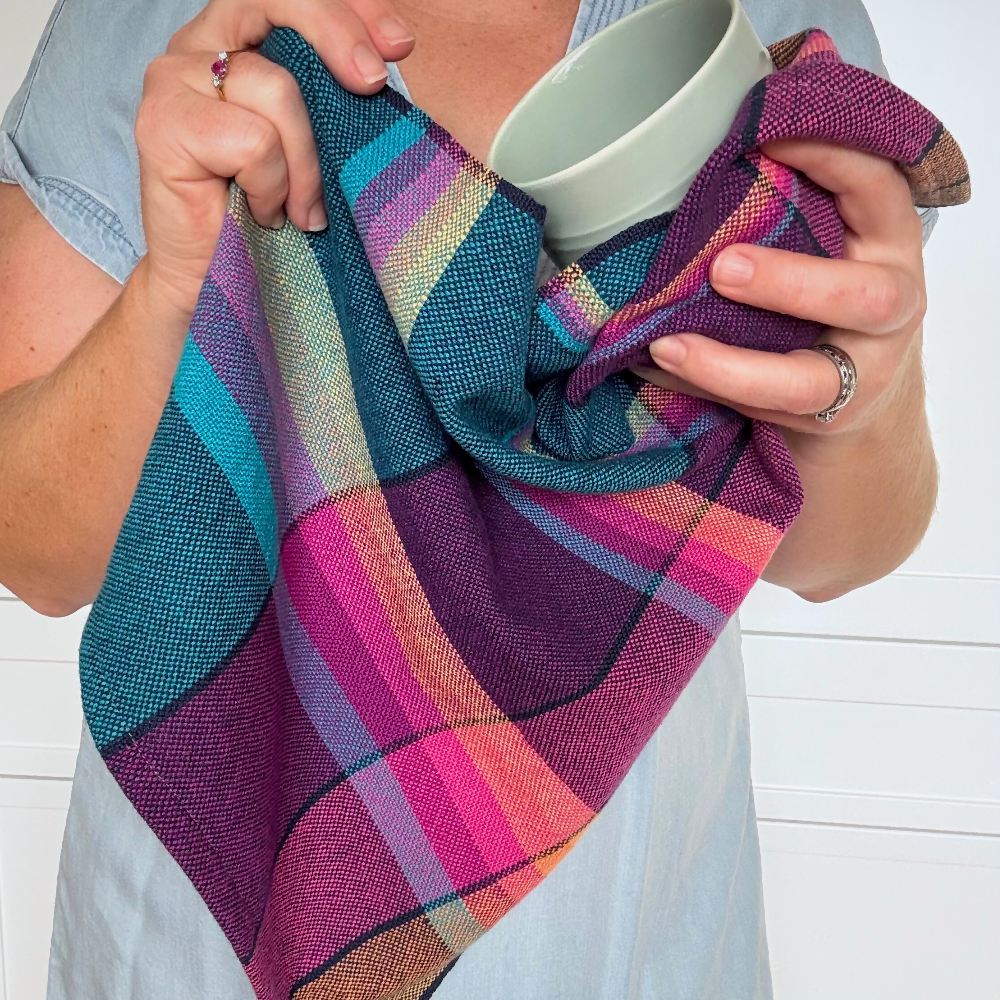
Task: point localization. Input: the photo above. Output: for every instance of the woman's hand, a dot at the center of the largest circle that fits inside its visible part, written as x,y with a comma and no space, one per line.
869,475
91,395
872,301
190,142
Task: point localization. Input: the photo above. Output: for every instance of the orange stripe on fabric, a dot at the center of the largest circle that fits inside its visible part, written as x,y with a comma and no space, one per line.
373,969
671,505
522,776
540,808
735,225
739,536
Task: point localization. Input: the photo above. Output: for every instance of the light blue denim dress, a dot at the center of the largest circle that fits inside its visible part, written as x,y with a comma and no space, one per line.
662,898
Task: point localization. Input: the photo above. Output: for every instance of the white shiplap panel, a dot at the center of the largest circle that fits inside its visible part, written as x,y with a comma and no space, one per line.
901,606
941,753
32,817
893,673
27,635
880,915
40,717
855,809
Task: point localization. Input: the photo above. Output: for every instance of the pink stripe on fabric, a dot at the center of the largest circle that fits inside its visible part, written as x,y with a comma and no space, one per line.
474,800
701,581
341,649
616,527
407,208
452,842
319,876
350,585
720,564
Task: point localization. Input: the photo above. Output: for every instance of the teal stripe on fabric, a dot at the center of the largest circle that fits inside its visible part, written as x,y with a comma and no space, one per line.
364,165
186,582
552,321
223,427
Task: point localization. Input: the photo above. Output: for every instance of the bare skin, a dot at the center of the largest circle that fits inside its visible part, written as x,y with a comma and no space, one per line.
86,364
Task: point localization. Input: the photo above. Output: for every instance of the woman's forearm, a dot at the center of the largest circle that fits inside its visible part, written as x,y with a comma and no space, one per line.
72,445
869,495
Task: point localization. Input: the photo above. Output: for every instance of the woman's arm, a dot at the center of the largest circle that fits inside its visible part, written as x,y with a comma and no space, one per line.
85,369
869,476
86,366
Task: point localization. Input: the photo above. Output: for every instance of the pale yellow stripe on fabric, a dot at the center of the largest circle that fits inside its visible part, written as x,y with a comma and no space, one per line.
733,226
640,420
311,355
433,660
417,262
525,787
595,310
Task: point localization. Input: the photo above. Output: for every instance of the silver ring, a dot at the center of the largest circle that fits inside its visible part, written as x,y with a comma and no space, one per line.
848,380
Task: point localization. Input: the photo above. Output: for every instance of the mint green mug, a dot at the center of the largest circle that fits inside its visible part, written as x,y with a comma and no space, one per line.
616,132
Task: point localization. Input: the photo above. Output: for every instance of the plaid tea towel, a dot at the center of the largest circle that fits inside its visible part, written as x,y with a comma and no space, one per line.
416,566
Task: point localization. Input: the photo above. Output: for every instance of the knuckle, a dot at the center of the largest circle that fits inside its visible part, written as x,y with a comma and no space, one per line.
156,71
279,85
261,140
148,121
883,302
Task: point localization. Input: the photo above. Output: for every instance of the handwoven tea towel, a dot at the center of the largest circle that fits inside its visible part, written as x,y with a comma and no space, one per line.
416,566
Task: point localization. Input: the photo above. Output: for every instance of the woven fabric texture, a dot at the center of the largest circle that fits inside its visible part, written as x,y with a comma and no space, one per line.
416,566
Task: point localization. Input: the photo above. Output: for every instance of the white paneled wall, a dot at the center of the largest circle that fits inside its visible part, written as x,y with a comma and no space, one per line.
876,718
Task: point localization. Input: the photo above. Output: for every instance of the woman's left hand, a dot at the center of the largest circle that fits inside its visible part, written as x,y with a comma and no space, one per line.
869,476
872,302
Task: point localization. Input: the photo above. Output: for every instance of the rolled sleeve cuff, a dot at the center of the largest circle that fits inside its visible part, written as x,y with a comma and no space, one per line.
81,219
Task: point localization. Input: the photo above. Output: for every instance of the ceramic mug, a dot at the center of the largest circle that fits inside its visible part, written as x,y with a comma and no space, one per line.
616,132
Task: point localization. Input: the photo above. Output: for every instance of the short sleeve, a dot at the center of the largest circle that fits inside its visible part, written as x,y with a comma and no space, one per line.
67,136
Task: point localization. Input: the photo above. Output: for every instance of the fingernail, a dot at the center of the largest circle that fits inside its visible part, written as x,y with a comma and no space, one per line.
668,352
394,31
370,66
278,221
732,267
317,218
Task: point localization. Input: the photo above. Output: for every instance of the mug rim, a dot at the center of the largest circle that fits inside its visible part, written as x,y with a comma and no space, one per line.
647,123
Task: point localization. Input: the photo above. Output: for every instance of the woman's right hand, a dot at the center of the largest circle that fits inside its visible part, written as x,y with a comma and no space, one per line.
190,142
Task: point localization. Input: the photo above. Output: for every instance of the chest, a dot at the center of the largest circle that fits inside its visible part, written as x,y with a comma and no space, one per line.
474,61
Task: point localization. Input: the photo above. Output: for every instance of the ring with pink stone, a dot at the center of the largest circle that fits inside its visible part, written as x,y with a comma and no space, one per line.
219,70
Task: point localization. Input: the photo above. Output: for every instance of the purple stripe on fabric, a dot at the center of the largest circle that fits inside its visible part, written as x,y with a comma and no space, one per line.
408,207
870,119
501,619
233,273
764,484
600,519
615,721
221,778
389,182
327,890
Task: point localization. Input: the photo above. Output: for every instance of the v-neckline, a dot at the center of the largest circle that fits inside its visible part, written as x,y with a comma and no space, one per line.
396,81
